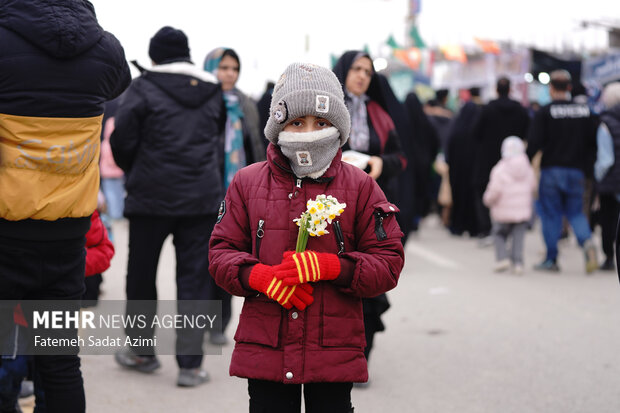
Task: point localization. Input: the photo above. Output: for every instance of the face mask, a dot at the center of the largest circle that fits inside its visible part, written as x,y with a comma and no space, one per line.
310,153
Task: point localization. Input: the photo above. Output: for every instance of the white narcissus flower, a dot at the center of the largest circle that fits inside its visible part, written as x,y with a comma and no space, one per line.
320,212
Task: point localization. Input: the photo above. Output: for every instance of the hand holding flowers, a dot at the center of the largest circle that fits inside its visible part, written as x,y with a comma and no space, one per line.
307,266
310,266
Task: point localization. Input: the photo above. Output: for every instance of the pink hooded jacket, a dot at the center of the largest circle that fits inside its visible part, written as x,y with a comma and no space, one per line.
107,166
510,192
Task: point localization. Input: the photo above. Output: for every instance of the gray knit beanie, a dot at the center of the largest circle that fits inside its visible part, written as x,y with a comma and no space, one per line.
307,89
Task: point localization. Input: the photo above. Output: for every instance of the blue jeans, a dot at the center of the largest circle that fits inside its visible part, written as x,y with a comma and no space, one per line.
561,194
12,372
114,192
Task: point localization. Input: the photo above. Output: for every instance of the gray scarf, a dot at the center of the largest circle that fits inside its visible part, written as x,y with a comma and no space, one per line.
359,138
310,153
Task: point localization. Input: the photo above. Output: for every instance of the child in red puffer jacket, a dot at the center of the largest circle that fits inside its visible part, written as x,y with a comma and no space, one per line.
301,327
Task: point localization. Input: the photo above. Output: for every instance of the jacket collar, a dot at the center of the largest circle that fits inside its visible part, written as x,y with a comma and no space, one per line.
184,68
279,165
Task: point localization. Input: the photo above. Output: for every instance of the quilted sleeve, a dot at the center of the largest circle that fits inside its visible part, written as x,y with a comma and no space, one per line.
230,246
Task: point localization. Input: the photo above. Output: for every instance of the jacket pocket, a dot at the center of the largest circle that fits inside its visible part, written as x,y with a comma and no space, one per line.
342,322
259,322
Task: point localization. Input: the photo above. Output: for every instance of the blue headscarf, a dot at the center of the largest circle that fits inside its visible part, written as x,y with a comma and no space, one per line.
234,152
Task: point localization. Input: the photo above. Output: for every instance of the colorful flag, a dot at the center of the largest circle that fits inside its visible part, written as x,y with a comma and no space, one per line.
411,57
392,42
454,52
417,39
487,46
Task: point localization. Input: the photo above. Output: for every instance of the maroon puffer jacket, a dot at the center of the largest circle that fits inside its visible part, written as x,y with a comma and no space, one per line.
325,342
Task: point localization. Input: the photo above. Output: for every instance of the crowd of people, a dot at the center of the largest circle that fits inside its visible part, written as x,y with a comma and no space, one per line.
181,151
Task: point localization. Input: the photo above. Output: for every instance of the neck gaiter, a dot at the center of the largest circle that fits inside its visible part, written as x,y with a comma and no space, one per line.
310,153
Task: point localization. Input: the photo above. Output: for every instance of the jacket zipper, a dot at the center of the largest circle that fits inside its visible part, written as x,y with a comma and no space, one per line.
260,233
379,230
339,236
295,191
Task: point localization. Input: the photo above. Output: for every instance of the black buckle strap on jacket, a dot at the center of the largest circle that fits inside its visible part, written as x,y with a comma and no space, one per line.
339,236
382,211
138,66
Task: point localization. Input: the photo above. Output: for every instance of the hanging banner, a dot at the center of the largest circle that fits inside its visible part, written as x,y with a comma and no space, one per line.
596,73
602,70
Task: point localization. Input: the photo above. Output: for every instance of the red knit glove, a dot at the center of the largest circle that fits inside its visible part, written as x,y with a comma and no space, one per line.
307,266
262,279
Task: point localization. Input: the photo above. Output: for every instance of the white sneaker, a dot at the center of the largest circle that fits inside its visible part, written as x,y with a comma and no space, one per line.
192,377
486,241
518,269
501,266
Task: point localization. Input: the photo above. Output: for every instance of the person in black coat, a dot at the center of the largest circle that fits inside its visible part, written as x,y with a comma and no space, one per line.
374,133
607,170
263,108
498,119
405,182
426,145
58,67
167,134
461,150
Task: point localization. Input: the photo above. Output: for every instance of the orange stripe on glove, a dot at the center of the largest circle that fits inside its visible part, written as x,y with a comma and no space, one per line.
262,279
307,266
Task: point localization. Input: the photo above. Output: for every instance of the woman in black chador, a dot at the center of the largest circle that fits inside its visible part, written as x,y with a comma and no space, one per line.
373,133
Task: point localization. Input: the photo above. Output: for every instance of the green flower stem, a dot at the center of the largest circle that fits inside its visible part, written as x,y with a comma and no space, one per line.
302,235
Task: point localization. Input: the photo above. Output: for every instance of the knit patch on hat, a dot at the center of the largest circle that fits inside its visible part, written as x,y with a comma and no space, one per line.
280,112
322,103
303,158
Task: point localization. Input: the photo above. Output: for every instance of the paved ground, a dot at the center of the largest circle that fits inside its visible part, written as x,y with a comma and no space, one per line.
459,339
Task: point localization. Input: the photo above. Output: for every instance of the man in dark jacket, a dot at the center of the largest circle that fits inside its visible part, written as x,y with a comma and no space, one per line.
566,133
499,119
58,68
166,140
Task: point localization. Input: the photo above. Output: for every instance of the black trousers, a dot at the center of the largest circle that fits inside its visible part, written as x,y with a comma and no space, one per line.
51,270
608,218
191,243
274,397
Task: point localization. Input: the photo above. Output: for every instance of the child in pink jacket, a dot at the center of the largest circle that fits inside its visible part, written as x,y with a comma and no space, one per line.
509,196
